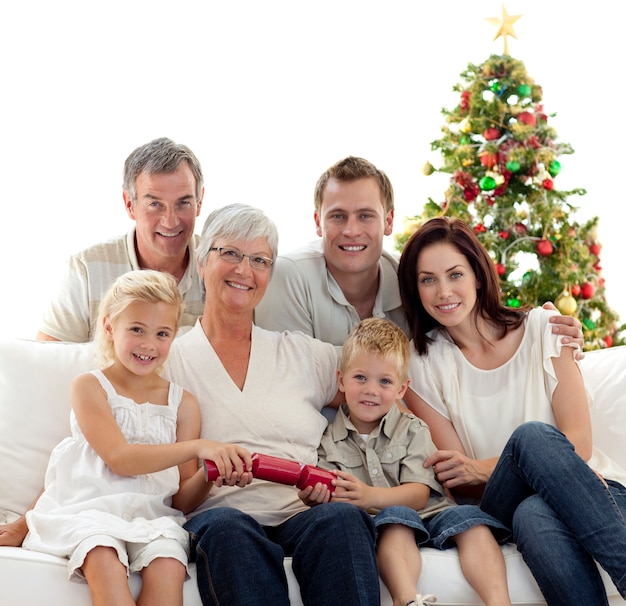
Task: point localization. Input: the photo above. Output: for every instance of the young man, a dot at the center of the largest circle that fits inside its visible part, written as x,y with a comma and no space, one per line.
163,191
326,287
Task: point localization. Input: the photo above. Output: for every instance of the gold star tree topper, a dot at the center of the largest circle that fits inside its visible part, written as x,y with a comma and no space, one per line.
505,27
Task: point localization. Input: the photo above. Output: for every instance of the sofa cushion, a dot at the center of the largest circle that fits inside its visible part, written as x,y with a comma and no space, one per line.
34,413
604,371
34,409
34,417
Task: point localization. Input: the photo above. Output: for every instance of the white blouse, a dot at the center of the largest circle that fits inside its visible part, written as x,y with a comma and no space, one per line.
486,406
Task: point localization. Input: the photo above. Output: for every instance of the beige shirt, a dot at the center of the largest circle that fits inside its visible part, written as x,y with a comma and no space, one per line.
73,312
303,295
394,454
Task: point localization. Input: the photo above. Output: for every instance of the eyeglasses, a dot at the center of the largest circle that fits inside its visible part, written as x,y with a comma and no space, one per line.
232,255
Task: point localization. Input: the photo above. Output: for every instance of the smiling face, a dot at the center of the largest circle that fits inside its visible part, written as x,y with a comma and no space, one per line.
371,385
236,286
165,212
446,284
352,222
142,335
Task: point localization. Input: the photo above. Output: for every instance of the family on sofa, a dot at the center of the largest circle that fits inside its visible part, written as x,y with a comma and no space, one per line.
245,378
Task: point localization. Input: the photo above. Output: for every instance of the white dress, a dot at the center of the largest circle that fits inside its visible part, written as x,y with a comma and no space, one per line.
486,406
83,498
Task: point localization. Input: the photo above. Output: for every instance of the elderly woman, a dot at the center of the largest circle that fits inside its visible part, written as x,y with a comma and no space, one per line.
265,391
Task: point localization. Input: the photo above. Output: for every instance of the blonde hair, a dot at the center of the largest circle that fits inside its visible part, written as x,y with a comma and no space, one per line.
144,285
378,337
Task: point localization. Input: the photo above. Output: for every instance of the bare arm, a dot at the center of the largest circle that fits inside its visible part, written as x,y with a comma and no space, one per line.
349,489
193,488
103,434
569,403
42,336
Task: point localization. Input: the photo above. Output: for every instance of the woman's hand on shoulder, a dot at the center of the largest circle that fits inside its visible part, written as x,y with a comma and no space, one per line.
569,327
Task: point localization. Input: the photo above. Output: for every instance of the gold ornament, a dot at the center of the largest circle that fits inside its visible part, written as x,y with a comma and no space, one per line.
428,169
566,304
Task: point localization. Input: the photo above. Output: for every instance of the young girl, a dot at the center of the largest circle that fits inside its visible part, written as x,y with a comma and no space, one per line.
111,488
507,408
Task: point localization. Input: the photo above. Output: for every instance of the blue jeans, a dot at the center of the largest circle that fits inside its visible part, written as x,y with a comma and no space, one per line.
240,562
562,516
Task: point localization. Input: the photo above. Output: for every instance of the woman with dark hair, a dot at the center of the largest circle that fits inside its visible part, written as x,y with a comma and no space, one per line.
508,411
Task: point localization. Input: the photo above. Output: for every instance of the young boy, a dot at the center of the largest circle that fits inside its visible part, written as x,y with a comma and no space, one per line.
379,453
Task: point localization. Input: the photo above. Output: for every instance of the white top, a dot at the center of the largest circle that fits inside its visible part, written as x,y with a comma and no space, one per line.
486,406
303,295
290,378
73,313
83,497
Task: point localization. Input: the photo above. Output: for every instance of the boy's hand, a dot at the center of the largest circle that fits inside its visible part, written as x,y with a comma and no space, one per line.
349,489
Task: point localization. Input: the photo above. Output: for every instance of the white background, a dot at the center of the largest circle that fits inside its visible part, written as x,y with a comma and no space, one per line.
268,94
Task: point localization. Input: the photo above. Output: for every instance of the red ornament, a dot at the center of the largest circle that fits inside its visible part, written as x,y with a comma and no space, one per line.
520,228
479,228
504,235
608,340
587,290
545,248
488,158
575,290
548,184
527,118
500,269
470,193
491,133
595,249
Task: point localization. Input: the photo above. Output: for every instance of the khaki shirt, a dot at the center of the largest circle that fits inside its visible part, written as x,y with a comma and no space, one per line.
393,455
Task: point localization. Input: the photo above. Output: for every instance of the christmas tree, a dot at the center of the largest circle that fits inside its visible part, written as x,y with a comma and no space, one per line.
502,155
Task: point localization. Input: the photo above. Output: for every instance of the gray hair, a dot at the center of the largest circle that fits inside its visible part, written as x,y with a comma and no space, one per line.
236,222
160,156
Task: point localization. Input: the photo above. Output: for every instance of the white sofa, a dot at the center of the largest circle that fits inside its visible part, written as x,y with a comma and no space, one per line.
34,413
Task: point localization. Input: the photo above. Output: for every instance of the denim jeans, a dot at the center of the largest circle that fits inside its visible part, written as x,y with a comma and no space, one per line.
562,516
239,562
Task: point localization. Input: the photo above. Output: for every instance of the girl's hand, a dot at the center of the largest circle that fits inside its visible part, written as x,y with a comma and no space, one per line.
453,469
233,462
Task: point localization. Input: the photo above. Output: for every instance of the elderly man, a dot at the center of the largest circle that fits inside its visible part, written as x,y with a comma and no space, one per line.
163,190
